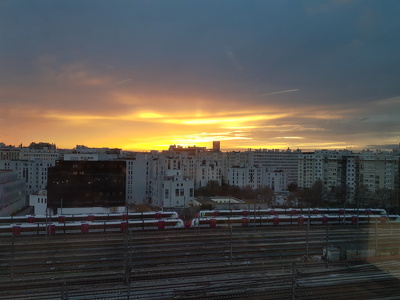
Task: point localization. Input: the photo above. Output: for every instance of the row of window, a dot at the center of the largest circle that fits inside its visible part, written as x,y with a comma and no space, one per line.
42,200
178,193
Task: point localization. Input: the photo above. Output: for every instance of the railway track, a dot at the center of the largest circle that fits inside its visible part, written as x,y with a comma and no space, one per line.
207,260
266,282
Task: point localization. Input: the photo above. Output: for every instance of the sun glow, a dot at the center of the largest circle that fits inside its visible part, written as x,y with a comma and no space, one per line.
232,120
76,118
150,115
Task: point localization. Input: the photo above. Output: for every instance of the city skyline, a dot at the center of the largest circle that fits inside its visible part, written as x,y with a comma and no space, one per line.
143,75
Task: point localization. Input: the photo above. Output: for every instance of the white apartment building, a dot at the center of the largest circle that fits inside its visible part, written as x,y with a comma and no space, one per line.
278,181
257,177
138,179
91,156
356,175
45,154
83,156
233,158
32,163
81,152
275,159
377,170
203,165
172,190
201,168
351,176
12,192
207,171
335,169
39,202
8,152
33,172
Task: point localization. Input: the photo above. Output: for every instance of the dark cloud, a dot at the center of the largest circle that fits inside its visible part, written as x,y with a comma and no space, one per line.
335,52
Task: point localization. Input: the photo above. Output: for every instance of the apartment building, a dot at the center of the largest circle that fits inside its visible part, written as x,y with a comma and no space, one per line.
275,159
172,190
12,192
257,177
347,174
33,172
8,152
138,178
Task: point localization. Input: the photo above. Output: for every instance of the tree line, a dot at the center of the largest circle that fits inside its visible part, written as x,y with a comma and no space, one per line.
308,197
213,188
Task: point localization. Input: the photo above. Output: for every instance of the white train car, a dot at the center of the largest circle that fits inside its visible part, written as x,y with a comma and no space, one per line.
276,220
289,212
22,229
89,217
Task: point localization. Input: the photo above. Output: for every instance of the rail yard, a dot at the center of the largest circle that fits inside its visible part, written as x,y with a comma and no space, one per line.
269,262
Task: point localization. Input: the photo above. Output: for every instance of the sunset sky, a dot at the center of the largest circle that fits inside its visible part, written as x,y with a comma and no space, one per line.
146,74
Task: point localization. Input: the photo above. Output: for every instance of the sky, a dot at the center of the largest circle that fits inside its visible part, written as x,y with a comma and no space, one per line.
146,74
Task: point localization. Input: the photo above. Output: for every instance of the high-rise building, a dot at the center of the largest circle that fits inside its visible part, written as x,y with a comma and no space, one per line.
277,160
348,175
216,146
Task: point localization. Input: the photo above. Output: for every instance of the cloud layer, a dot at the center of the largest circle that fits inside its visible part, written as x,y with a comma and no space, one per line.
143,75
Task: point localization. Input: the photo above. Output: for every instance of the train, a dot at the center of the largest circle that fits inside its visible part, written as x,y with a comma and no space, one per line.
84,223
290,211
276,220
89,217
54,228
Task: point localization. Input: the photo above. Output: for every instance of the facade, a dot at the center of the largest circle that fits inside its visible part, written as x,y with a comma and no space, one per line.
30,163
39,202
8,152
12,192
283,160
202,168
243,176
82,184
172,190
81,152
278,181
137,179
216,146
233,158
41,151
350,176
33,172
257,177
81,156
207,170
